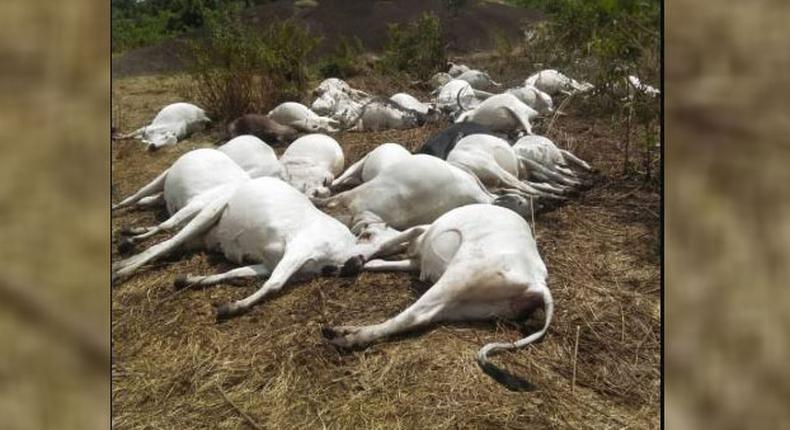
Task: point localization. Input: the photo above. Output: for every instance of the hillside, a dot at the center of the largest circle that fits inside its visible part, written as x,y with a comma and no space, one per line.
470,30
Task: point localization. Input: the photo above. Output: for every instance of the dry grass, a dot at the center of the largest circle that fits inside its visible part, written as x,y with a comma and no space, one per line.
602,253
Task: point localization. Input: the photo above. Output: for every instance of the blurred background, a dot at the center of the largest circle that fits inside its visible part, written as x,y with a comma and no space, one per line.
727,241
727,237
54,207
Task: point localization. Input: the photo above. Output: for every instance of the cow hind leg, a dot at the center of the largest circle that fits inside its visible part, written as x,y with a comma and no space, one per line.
150,189
253,271
409,265
428,309
199,225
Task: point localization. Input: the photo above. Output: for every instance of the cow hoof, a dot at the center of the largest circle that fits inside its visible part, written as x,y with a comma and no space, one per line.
180,283
151,147
352,266
125,246
329,333
227,311
342,336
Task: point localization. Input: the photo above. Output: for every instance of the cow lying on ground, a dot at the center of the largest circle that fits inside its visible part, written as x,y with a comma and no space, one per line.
441,143
534,98
484,264
383,114
502,112
298,116
494,162
268,223
173,123
337,100
552,82
414,191
479,80
542,160
448,96
407,101
262,127
195,180
311,163
253,155
369,166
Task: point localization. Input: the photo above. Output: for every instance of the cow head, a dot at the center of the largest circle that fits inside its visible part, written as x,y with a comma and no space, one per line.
517,204
155,137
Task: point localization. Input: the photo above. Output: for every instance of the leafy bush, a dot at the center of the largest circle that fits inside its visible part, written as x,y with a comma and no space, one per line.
417,48
344,61
141,23
128,33
237,70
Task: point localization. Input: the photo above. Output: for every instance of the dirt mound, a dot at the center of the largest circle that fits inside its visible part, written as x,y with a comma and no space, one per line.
471,29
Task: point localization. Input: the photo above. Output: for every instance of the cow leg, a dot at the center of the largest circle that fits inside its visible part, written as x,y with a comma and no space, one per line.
351,177
290,264
575,160
549,188
183,215
150,189
397,243
253,271
520,118
409,265
154,200
549,174
199,225
429,308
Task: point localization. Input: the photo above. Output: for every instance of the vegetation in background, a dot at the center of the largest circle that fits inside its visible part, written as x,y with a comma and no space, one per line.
238,70
604,41
417,48
138,23
344,61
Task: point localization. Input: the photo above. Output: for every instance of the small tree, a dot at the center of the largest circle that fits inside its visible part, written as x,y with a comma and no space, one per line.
417,48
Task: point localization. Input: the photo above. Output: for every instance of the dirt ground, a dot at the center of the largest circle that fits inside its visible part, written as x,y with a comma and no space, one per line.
471,29
175,367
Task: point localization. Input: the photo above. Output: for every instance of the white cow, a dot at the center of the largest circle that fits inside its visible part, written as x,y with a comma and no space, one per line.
479,80
501,112
494,162
542,160
311,163
457,92
369,166
265,222
253,155
414,191
484,264
173,123
641,87
195,180
408,101
336,99
303,119
553,82
457,69
534,98
384,114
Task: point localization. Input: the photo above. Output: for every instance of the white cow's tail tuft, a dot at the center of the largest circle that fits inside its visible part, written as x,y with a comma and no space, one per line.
512,382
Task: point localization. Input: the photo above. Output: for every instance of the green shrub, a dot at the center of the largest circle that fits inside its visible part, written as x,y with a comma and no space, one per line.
417,48
238,70
128,33
344,61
